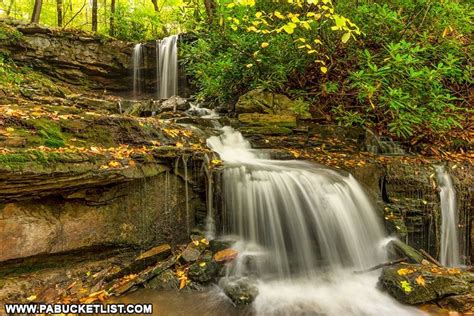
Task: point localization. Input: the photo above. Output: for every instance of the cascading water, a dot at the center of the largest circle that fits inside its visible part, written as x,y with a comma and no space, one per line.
303,230
167,67
449,254
137,58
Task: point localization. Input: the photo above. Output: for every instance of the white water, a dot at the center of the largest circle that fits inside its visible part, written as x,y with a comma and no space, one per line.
137,58
449,254
167,66
303,229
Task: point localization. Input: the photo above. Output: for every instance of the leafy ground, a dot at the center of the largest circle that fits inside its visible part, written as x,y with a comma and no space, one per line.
47,121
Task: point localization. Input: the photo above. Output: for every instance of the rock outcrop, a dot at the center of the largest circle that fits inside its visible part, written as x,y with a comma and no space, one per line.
71,56
416,284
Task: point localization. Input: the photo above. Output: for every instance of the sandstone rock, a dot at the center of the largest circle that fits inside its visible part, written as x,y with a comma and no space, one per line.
260,101
167,280
191,253
416,284
460,303
174,104
265,130
135,213
73,57
203,271
144,260
257,119
242,291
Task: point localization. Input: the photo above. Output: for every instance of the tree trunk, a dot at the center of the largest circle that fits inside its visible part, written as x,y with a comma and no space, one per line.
35,17
59,10
112,18
94,15
10,6
210,6
155,5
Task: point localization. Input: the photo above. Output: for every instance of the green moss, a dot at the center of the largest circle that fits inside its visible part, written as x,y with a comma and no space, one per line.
50,133
8,32
257,119
266,130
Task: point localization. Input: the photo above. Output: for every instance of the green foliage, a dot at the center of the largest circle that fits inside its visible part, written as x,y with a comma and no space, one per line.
413,68
401,86
261,44
10,75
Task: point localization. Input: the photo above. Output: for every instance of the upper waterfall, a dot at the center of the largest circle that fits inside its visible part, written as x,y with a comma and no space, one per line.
449,253
137,58
167,67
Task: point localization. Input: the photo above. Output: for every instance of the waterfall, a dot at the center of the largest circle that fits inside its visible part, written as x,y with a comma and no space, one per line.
167,67
137,58
449,254
302,229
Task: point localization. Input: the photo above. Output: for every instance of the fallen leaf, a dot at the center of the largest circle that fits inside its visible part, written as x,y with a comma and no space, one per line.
226,255
420,280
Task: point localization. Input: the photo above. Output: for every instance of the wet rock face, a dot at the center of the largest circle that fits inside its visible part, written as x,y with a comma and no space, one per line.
416,284
138,213
72,57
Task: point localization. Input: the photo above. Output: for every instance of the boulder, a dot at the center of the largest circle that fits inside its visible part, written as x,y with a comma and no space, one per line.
260,101
461,303
167,280
416,284
242,291
204,270
174,104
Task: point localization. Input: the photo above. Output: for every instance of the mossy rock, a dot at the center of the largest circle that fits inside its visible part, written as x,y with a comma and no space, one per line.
261,101
166,280
416,284
265,130
257,119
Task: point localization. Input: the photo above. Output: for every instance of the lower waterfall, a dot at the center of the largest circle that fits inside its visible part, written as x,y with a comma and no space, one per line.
302,230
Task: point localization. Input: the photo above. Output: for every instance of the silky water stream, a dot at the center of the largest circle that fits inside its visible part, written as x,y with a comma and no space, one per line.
301,231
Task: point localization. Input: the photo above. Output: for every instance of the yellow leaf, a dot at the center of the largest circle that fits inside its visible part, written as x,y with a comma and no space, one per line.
404,271
114,164
182,283
406,286
346,37
278,15
258,14
289,28
179,145
264,45
202,264
249,65
420,280
324,70
31,298
10,129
